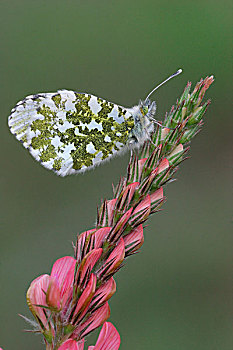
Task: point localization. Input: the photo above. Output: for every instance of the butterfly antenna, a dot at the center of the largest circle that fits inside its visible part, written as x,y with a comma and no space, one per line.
163,82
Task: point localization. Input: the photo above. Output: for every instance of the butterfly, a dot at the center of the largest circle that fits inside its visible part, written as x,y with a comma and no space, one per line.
69,132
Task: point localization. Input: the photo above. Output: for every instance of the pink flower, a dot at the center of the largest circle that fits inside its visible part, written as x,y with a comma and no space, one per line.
100,235
86,296
134,240
109,338
88,263
110,208
118,229
48,294
36,296
63,271
96,319
115,258
68,293
52,290
163,165
81,249
144,204
71,344
127,195
104,292
157,195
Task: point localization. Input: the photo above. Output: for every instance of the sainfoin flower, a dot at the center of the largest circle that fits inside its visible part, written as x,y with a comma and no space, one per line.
108,339
72,301
64,309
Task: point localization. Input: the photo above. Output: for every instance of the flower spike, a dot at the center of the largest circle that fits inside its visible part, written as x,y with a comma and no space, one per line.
72,301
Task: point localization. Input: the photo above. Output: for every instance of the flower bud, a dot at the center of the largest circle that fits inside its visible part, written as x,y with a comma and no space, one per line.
89,262
163,165
86,296
157,195
176,150
134,240
110,209
104,292
116,257
141,163
100,235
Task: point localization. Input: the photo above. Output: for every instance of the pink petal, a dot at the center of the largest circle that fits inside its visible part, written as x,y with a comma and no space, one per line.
141,163
144,204
164,133
71,344
124,219
157,195
207,82
132,187
86,295
164,164
100,236
53,295
36,296
108,338
105,292
111,206
63,269
127,195
116,256
81,243
96,319
89,261
134,239
178,149
119,227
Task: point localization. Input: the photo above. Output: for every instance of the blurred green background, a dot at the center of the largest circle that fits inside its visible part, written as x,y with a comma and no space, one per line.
175,294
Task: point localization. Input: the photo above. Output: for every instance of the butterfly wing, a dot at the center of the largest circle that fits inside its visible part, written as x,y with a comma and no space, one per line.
69,132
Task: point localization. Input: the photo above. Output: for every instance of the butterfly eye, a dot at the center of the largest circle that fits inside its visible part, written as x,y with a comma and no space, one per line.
144,110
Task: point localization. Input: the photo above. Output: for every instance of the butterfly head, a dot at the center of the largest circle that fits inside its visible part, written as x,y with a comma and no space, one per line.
144,116
147,108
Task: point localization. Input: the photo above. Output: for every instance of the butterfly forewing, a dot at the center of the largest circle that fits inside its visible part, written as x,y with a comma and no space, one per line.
69,132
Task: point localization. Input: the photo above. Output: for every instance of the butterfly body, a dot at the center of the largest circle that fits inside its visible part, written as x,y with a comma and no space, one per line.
69,132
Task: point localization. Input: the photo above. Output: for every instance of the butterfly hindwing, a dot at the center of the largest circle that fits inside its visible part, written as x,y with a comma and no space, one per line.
69,132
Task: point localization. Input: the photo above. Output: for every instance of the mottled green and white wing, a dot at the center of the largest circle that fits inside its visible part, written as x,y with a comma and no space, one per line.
69,132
